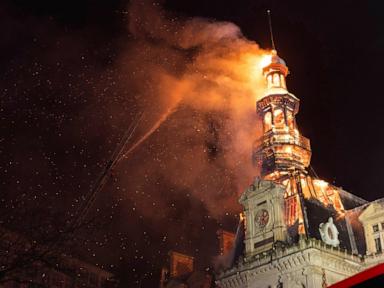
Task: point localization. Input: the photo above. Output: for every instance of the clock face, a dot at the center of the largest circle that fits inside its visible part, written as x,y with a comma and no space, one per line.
262,218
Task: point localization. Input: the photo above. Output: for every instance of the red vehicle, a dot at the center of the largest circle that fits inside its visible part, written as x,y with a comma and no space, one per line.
370,278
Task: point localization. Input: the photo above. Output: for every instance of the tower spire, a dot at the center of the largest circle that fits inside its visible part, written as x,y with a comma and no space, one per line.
270,29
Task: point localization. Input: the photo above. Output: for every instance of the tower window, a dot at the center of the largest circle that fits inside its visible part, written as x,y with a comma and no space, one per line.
282,80
290,119
375,227
267,121
378,245
278,118
276,79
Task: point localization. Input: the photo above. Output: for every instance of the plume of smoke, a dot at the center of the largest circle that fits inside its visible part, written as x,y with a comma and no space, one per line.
204,78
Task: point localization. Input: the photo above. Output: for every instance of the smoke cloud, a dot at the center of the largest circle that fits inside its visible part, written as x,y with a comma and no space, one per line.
197,82
70,94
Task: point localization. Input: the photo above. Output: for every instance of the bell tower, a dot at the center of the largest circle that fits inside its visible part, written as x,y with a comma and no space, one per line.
282,149
292,219
283,154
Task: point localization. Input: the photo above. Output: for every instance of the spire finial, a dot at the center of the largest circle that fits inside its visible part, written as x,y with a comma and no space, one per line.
270,29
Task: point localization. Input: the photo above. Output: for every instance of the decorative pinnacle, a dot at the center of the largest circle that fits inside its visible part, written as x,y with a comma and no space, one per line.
270,29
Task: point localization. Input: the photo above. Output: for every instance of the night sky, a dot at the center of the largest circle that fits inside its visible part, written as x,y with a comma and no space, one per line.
66,101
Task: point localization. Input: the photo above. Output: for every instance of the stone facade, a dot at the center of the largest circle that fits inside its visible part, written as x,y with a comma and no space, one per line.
272,258
309,263
263,205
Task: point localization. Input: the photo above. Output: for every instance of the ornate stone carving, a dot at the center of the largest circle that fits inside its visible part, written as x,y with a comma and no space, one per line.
329,233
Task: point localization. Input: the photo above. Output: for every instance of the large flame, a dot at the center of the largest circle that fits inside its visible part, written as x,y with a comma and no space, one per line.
265,60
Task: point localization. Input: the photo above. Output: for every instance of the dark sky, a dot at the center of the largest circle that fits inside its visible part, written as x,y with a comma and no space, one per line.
62,115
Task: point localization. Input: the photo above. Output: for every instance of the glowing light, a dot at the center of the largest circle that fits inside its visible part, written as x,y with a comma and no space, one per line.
265,60
320,183
288,149
243,219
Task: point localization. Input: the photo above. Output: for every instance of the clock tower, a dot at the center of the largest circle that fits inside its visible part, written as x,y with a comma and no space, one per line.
298,230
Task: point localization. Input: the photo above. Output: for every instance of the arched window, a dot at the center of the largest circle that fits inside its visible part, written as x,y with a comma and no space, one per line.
276,80
278,118
267,121
282,80
269,80
290,119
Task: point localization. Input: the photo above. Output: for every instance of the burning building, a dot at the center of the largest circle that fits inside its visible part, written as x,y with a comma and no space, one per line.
298,230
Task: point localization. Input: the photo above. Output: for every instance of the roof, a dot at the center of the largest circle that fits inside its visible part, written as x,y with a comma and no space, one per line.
349,200
276,59
231,258
352,217
317,213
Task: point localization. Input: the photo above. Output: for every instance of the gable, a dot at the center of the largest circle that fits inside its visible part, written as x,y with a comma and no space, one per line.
373,210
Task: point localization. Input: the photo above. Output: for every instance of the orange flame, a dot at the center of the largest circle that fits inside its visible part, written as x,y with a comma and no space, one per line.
265,60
